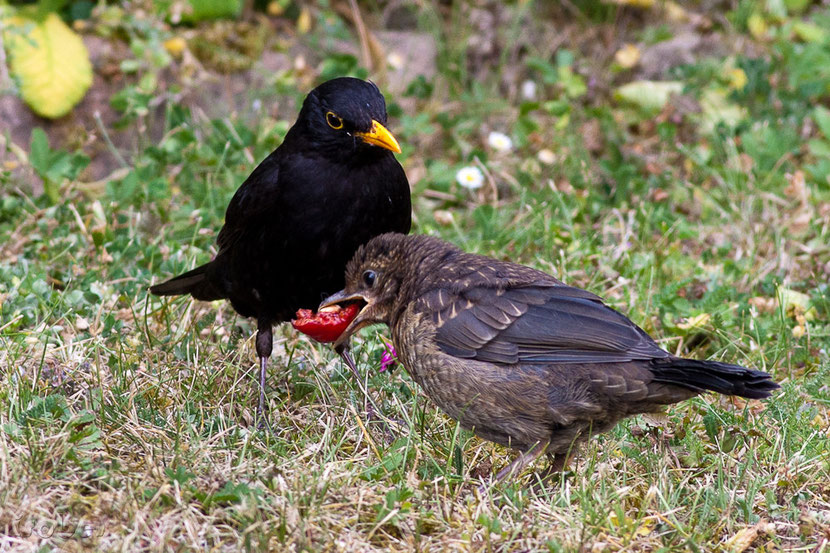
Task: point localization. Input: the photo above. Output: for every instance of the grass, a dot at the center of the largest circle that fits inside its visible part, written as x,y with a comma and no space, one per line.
126,422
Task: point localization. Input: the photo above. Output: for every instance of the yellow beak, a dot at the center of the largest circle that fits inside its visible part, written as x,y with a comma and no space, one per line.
379,136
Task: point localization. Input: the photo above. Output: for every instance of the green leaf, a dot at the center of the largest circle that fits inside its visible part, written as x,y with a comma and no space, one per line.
53,166
796,6
821,115
712,426
809,32
819,148
547,71
39,153
50,62
192,11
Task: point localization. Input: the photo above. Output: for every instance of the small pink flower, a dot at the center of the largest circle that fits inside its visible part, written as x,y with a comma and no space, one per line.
389,358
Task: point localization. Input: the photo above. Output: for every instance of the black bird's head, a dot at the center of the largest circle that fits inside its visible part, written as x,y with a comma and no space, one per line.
384,275
347,116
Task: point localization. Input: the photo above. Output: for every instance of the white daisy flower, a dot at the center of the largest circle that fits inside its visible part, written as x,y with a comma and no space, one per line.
546,156
529,90
470,177
500,141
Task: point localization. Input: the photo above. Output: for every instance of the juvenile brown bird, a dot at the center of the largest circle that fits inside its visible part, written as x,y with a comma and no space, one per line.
514,354
295,222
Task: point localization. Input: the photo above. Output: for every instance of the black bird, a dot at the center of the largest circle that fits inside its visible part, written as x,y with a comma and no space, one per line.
514,354
295,222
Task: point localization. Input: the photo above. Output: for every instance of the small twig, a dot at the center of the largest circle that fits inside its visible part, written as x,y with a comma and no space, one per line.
362,34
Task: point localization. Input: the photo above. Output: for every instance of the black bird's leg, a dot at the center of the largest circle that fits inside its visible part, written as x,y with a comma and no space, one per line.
264,345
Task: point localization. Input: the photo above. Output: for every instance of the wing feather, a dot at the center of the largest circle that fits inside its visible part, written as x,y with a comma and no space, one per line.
542,322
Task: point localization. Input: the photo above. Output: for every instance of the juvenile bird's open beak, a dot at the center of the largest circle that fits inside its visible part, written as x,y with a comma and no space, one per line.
342,298
379,136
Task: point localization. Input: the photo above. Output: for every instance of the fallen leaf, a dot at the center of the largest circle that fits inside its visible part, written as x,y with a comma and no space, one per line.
175,46
742,540
648,95
627,56
737,78
797,187
757,26
698,321
795,303
50,61
716,109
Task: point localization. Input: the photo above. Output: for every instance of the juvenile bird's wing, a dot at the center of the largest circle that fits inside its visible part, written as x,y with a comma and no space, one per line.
540,322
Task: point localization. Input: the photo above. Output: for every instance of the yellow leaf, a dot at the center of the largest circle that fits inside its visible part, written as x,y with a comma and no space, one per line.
175,45
645,528
274,8
49,61
698,321
737,78
757,26
304,21
796,303
676,12
627,56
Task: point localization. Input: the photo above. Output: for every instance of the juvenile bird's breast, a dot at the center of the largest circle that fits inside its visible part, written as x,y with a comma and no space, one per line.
508,405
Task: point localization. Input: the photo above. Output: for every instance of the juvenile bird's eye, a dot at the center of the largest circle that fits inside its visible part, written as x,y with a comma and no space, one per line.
369,278
334,121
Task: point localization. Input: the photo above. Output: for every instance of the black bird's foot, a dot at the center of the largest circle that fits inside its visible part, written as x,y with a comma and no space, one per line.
262,409
264,346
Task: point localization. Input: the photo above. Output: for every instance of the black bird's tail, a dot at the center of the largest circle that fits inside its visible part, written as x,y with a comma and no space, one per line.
194,282
715,376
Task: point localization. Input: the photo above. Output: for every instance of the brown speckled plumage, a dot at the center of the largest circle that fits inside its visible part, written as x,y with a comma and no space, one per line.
513,353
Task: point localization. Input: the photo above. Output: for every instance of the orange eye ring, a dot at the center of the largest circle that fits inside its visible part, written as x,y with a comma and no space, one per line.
334,121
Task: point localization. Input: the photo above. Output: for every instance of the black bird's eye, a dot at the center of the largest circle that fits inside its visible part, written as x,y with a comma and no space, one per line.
369,278
334,121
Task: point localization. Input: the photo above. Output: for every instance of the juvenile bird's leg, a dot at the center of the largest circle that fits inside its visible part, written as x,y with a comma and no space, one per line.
343,351
371,409
264,345
518,464
557,464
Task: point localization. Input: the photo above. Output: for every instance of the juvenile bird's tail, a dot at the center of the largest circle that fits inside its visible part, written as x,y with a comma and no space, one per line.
714,376
194,282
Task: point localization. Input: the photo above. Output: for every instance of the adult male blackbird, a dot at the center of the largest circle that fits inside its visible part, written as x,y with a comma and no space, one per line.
292,226
514,354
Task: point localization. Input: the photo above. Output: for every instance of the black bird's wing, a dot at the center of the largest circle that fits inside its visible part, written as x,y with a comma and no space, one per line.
251,202
539,322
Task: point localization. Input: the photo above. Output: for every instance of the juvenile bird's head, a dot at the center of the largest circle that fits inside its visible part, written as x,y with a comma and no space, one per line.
383,277
345,116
